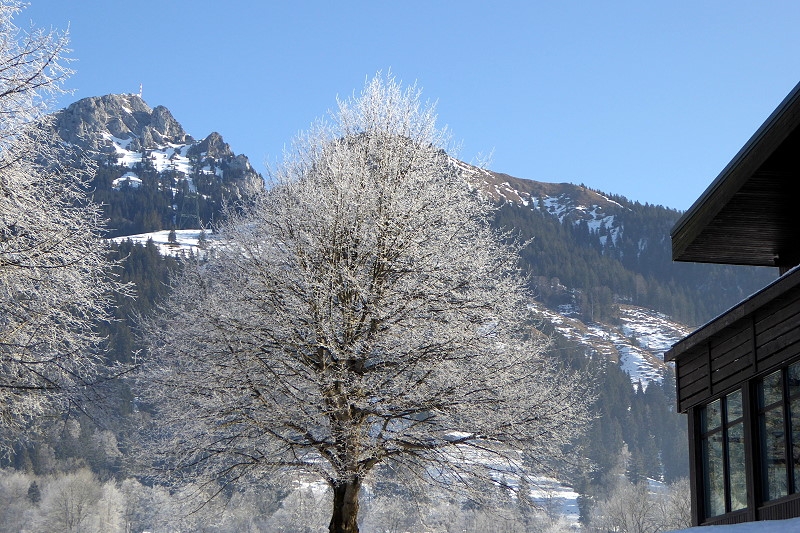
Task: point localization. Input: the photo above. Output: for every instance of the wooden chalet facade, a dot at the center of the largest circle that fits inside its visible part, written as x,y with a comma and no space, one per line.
738,377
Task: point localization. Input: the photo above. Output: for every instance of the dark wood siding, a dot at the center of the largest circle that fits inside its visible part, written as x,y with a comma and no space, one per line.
731,356
731,518
732,352
778,330
753,338
692,378
780,510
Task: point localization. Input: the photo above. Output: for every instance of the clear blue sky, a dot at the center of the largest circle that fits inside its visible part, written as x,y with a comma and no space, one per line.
645,99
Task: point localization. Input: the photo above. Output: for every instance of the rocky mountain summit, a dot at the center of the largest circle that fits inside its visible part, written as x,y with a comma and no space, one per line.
93,122
152,174
123,129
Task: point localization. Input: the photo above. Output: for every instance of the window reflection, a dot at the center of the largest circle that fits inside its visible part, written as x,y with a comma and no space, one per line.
714,480
794,407
722,443
779,432
735,448
711,416
770,391
773,460
734,406
722,428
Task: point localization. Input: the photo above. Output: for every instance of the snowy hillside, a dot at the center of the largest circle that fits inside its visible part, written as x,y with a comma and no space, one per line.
637,344
641,336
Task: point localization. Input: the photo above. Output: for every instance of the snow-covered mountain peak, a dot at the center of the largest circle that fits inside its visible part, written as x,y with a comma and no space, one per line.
122,130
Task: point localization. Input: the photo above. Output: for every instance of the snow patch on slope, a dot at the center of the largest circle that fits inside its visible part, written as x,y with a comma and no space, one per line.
637,344
169,156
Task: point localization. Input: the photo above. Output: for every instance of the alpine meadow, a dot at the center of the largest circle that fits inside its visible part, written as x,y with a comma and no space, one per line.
359,317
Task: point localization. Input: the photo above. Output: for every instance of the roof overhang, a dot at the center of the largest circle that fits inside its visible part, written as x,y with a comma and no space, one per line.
750,215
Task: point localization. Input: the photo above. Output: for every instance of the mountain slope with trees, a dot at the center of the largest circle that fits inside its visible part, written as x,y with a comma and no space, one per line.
605,248
593,260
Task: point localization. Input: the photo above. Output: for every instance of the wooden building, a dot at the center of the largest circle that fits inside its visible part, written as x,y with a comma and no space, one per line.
738,377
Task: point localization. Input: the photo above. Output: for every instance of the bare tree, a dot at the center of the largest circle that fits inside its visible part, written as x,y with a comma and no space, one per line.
641,508
33,68
629,509
53,283
69,502
15,503
673,507
360,311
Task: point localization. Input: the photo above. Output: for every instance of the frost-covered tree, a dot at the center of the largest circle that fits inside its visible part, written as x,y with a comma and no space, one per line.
53,284
32,71
360,311
69,502
641,508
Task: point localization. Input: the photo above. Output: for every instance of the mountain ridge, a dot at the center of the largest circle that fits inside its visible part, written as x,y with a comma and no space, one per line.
151,174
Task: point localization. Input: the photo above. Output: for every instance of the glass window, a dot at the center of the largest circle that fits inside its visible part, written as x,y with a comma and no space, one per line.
773,455
794,407
722,436
793,388
722,443
734,406
771,390
714,479
738,481
779,432
793,380
711,416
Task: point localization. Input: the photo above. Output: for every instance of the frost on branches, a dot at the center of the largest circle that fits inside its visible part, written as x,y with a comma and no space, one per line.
359,312
53,284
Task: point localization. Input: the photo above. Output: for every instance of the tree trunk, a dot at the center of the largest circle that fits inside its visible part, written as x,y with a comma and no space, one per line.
345,507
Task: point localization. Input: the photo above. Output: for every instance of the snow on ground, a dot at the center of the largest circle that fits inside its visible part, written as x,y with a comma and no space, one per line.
129,178
186,241
654,331
766,526
640,364
637,344
594,216
551,495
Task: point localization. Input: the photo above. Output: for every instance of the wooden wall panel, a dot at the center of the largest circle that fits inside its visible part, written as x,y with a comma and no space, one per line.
786,508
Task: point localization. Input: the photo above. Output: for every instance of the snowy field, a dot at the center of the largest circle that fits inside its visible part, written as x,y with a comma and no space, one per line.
186,241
